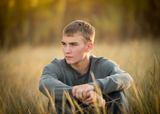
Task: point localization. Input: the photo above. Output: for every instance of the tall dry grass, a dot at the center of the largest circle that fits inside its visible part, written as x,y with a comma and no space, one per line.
21,68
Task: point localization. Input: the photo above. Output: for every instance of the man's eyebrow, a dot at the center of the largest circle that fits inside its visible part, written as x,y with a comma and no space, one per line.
73,42
70,42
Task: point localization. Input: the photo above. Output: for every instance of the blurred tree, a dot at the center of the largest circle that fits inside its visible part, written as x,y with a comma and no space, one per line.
41,22
141,18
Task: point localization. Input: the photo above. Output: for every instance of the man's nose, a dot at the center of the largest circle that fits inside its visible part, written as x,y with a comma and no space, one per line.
67,50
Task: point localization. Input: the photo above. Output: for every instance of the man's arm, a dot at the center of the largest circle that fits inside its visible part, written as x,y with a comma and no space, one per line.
116,80
49,80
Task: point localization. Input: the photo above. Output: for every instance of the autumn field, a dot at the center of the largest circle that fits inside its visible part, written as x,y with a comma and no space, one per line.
21,68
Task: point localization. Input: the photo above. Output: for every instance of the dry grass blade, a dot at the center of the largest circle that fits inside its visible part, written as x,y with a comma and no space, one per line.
15,104
71,102
98,90
29,112
52,99
78,106
63,103
42,109
157,103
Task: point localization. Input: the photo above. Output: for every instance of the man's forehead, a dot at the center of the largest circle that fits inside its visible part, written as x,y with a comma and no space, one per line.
70,39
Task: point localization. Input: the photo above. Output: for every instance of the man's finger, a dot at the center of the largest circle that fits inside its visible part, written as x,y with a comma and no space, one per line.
79,91
89,102
77,95
85,92
74,90
101,101
85,88
88,99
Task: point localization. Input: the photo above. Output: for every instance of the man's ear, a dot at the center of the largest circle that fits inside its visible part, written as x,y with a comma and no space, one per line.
89,46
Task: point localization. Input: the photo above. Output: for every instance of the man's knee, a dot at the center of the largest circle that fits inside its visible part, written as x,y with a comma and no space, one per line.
117,102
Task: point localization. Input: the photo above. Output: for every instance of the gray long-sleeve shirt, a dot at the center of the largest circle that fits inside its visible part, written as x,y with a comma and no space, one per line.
60,76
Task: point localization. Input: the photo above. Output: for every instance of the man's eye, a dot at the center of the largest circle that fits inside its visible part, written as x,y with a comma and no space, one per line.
63,44
73,44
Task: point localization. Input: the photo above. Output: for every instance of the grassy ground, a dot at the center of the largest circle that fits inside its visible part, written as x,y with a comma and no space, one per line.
21,68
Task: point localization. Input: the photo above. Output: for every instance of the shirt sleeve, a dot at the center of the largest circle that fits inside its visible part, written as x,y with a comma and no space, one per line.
115,79
49,80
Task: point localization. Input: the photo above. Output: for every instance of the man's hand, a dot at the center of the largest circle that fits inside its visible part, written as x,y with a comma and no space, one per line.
80,91
93,96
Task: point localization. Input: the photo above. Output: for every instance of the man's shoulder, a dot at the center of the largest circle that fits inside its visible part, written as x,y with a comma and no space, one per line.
56,64
58,61
102,61
98,59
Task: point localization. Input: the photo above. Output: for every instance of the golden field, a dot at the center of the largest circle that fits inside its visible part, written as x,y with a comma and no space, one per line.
21,68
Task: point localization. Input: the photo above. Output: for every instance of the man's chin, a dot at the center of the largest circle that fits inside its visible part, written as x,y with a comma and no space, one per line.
69,62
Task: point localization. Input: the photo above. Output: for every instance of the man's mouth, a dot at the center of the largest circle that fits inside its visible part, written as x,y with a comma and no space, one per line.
68,57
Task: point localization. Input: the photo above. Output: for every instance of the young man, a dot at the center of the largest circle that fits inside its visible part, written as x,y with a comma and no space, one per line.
73,73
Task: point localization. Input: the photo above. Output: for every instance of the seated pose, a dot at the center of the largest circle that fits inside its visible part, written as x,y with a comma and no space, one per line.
73,74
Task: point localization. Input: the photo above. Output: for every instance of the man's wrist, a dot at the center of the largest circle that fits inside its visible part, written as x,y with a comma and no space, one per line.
92,86
97,84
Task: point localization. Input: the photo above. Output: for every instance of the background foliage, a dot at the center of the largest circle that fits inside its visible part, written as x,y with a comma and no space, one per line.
38,22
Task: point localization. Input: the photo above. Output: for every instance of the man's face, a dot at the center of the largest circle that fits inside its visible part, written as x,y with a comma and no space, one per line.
74,48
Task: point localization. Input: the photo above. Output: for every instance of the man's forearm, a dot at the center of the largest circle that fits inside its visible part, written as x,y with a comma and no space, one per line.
49,80
54,89
116,82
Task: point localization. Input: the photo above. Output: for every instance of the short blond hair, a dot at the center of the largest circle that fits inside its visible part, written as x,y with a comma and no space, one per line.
80,27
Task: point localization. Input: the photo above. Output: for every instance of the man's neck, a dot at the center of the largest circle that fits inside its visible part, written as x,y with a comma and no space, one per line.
82,66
